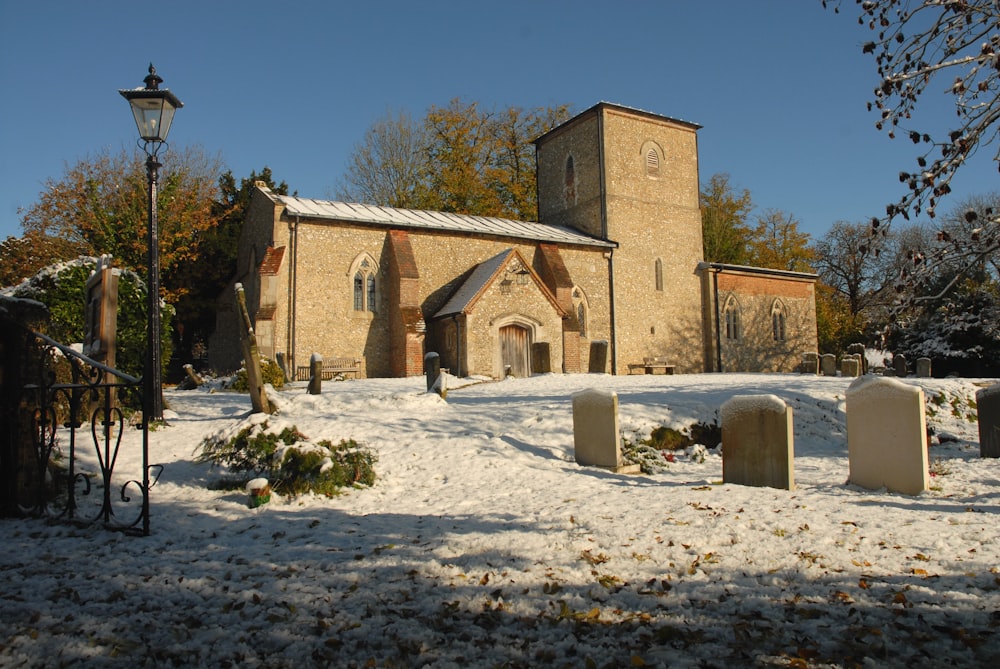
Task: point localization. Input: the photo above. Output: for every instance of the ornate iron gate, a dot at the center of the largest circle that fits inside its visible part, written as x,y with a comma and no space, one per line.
91,409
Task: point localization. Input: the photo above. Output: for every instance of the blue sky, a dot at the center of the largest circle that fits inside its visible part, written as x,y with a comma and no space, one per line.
780,86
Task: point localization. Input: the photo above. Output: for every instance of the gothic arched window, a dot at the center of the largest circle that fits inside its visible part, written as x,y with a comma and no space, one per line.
731,312
580,308
364,270
778,321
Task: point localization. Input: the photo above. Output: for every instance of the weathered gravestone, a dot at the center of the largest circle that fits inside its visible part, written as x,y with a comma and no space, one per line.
887,435
541,360
858,349
757,442
923,368
828,364
810,363
598,356
988,408
899,365
283,365
432,370
315,386
850,366
596,435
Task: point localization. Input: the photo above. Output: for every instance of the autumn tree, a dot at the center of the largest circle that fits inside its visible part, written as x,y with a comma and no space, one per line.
511,169
777,243
952,47
100,205
22,257
724,213
459,158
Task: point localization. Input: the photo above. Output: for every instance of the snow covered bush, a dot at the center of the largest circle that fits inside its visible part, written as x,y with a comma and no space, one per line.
658,450
295,464
270,372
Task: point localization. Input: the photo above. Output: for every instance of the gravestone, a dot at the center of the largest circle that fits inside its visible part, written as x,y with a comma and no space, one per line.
899,365
432,370
858,349
598,357
923,368
596,435
850,366
810,363
887,435
541,360
757,442
315,386
828,364
283,365
988,408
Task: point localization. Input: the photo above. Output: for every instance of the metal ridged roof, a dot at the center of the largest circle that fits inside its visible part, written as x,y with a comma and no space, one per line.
436,220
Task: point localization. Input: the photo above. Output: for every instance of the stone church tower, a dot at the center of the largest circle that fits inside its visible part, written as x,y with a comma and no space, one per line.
631,177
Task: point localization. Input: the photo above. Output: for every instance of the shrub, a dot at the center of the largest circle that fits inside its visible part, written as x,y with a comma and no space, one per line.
293,463
270,372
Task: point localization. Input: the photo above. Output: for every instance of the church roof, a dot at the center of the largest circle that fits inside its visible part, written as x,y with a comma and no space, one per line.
464,299
391,217
474,285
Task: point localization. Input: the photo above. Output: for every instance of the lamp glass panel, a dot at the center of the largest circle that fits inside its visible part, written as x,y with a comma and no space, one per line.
153,117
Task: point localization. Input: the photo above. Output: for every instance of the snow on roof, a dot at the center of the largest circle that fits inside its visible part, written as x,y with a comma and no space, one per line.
435,220
479,278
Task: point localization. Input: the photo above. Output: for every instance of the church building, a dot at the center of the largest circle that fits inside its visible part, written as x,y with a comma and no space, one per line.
614,267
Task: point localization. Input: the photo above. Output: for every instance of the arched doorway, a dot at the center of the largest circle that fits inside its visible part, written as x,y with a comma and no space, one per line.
515,347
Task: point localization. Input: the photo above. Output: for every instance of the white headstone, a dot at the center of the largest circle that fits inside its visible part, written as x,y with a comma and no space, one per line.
887,435
596,435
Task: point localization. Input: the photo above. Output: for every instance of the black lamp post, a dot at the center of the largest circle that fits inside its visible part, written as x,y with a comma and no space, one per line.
154,111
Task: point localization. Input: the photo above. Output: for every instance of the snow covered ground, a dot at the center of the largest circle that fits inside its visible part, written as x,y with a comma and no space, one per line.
483,544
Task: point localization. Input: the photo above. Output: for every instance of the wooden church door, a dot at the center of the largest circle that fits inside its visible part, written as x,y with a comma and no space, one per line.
515,342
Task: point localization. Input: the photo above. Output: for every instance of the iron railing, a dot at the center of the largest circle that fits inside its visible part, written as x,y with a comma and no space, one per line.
96,409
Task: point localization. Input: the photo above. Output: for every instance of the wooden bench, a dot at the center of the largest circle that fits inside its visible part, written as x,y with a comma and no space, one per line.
651,366
331,368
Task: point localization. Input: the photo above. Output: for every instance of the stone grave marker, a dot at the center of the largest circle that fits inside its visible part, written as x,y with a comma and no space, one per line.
810,363
858,349
887,435
923,368
899,365
596,435
988,408
757,442
598,357
828,364
315,386
541,360
850,366
432,372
